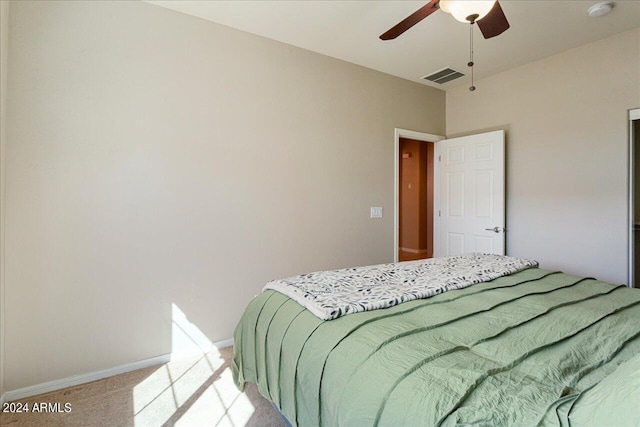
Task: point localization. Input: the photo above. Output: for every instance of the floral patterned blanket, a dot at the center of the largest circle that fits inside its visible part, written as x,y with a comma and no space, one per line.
335,293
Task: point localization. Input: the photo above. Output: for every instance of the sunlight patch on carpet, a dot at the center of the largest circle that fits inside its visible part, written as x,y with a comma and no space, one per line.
195,388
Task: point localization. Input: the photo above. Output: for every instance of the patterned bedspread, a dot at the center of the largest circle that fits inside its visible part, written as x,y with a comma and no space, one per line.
532,348
335,293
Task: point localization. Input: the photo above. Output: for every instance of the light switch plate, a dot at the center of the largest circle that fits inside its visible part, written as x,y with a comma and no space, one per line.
376,211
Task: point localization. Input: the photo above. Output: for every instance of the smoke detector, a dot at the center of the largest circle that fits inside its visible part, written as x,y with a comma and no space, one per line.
600,9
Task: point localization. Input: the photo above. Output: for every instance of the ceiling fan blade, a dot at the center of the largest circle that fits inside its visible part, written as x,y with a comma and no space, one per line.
495,23
411,20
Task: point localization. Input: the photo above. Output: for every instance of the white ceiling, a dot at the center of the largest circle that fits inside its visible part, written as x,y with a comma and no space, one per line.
349,30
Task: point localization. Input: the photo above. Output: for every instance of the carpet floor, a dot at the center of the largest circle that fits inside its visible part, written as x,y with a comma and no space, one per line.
192,392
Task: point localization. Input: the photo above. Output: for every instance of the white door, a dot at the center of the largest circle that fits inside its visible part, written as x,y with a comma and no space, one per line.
470,214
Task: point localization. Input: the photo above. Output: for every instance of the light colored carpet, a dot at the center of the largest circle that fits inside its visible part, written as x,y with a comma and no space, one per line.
195,391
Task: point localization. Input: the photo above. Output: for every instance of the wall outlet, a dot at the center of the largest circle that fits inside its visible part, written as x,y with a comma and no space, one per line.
376,212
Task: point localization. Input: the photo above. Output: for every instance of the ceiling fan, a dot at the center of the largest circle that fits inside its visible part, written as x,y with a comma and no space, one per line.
487,14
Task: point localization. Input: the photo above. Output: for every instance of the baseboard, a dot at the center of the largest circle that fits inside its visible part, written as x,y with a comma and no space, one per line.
75,380
82,379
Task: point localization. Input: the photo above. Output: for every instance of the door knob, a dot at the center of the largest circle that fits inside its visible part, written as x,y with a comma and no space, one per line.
495,229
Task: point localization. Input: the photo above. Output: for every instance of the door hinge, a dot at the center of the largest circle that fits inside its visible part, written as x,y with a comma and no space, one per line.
439,213
439,158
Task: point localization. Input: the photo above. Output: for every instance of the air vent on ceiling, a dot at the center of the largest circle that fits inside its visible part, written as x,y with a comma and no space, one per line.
443,76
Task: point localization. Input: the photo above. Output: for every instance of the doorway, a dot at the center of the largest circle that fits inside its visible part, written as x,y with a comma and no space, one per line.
469,192
634,197
421,138
416,176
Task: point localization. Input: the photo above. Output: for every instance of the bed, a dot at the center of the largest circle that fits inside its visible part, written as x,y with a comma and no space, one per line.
532,347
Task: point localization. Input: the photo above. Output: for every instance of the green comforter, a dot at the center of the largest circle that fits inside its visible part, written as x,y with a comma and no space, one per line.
532,348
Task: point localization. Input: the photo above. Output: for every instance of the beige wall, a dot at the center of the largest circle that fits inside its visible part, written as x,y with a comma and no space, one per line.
567,125
155,158
4,49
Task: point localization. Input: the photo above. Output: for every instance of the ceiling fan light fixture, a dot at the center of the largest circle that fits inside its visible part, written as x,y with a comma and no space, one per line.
463,9
444,5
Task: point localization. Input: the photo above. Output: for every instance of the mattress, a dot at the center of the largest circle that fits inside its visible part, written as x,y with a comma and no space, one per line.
532,348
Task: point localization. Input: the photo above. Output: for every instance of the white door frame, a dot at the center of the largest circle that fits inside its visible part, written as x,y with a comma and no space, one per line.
418,136
633,115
